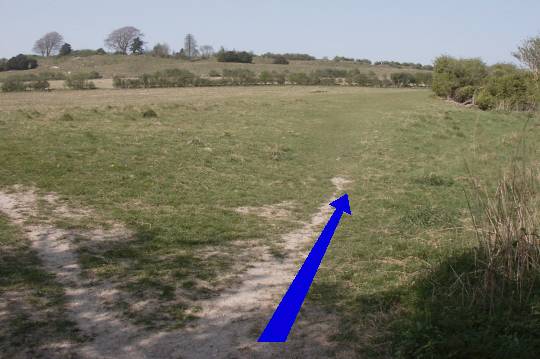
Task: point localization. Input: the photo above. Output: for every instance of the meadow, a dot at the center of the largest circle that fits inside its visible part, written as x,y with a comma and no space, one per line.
173,165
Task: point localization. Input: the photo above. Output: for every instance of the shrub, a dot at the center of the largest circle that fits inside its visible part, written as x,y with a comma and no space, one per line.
13,85
100,51
465,94
149,114
21,62
280,60
40,85
451,74
214,73
234,56
402,79
79,82
240,76
357,78
65,49
169,78
299,78
165,78
119,82
516,91
92,75
3,65
266,77
485,101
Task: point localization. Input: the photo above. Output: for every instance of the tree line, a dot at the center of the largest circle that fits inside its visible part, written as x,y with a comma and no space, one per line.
130,40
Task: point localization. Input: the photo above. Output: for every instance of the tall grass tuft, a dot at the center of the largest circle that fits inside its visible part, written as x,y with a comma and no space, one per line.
507,225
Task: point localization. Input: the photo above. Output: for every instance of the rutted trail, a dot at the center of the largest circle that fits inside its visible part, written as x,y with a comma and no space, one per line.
229,324
110,336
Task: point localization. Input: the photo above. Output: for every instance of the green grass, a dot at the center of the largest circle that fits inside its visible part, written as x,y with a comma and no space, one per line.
175,178
33,314
111,65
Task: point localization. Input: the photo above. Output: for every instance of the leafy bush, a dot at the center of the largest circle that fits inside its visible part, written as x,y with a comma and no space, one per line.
266,78
119,82
21,62
40,85
485,101
13,85
402,79
357,78
165,78
299,78
149,114
517,91
79,82
465,94
234,56
451,74
240,76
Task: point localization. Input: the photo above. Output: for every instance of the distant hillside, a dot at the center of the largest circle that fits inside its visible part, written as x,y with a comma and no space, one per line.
111,65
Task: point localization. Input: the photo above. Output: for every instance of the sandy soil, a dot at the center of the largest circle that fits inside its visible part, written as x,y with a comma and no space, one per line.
229,324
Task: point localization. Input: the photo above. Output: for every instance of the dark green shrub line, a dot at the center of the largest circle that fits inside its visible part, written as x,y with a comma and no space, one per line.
40,82
246,77
80,81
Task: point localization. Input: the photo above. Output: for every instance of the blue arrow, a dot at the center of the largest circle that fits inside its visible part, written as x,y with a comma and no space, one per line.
279,326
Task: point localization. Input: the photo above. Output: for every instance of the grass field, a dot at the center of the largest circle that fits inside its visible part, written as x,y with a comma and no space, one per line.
111,65
175,180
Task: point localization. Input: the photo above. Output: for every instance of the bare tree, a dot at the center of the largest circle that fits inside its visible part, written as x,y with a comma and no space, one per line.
206,51
529,55
49,44
190,46
161,50
121,39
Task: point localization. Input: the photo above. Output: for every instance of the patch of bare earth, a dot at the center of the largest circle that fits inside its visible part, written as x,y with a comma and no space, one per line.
228,325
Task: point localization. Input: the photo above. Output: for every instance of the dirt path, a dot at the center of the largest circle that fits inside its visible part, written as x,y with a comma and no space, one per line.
229,324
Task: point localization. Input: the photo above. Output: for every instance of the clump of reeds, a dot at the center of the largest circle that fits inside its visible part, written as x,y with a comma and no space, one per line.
507,225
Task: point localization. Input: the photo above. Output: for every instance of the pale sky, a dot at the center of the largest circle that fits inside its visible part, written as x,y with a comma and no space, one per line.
414,30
